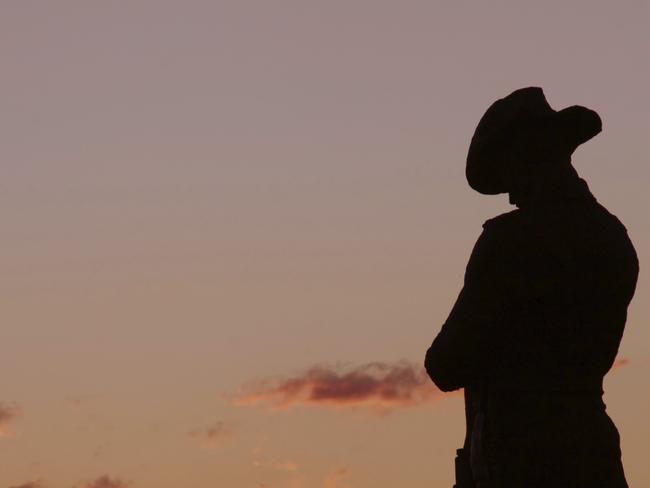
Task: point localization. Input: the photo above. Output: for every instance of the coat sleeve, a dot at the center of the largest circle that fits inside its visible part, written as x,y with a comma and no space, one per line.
463,350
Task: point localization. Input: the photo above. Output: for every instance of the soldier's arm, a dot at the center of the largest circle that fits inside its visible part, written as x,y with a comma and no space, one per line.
462,352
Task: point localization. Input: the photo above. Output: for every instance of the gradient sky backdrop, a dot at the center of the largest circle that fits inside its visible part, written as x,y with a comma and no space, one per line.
201,199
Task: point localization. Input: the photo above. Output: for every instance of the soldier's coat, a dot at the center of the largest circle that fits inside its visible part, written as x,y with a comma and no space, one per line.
535,328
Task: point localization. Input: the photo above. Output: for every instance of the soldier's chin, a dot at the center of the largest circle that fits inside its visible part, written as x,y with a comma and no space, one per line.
514,199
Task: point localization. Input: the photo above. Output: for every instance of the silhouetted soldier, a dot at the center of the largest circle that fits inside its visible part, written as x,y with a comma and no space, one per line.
540,317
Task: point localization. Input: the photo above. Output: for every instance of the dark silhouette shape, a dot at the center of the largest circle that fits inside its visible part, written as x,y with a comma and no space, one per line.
541,314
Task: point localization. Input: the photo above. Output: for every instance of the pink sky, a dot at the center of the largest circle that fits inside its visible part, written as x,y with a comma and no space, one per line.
211,201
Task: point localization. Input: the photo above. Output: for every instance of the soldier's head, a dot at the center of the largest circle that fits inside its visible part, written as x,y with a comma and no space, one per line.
521,142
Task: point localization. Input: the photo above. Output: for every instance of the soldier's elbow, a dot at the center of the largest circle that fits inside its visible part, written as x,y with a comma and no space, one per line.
445,383
440,373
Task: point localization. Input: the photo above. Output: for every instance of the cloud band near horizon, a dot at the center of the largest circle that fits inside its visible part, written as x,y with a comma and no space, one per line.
377,385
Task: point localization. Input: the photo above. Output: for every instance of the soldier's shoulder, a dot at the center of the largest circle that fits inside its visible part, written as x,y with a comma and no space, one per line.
504,221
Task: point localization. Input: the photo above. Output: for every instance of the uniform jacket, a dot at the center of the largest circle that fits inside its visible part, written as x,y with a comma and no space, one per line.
535,328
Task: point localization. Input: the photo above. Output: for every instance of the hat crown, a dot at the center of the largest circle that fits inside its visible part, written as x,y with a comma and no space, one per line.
525,107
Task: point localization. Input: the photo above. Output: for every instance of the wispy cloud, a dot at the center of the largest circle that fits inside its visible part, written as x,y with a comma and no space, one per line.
379,385
29,484
7,414
77,400
212,436
106,482
288,466
336,478
288,471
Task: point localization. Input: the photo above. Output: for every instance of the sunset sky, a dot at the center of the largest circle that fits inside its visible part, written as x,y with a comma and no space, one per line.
232,228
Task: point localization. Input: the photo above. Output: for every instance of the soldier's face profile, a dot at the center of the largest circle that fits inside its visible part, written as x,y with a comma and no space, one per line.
518,178
533,153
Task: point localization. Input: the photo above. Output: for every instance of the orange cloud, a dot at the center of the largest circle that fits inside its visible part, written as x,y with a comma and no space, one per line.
212,436
29,484
378,385
7,414
336,478
106,482
288,466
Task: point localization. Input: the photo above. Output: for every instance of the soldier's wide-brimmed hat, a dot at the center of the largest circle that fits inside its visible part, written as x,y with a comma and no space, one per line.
525,109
